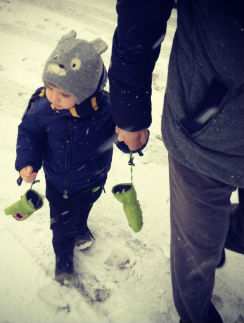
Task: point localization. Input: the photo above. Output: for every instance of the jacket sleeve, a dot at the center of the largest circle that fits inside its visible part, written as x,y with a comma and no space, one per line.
30,142
136,46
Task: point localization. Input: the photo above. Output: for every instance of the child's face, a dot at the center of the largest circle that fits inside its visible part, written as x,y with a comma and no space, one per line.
60,98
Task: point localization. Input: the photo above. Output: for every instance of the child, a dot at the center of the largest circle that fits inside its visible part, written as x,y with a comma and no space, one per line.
68,129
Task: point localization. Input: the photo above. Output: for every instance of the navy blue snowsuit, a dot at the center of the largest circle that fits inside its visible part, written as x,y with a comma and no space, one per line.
75,149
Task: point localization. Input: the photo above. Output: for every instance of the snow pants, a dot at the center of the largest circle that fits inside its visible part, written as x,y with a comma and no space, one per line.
69,216
203,222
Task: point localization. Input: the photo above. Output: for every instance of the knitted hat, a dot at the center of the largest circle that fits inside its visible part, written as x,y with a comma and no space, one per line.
76,66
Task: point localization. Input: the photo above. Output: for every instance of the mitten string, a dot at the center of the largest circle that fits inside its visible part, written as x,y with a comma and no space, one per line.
131,163
37,181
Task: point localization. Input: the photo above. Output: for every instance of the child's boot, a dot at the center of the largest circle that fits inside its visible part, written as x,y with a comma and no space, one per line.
64,267
84,238
126,194
29,203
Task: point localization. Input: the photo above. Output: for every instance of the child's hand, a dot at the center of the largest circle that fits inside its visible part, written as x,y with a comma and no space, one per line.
28,174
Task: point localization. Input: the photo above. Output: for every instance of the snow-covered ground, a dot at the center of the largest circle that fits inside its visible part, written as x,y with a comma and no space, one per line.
125,275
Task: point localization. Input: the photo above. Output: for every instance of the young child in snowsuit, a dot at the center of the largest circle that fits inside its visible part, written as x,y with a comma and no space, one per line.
68,129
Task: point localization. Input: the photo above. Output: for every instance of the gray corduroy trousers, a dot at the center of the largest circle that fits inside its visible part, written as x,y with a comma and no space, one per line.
203,222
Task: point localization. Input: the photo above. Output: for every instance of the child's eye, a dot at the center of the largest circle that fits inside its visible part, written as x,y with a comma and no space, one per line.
65,95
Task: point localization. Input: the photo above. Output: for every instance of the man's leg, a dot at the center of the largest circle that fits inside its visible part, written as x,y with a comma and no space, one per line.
235,237
200,216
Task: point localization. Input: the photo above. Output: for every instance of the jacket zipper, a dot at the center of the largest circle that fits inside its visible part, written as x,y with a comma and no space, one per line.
67,158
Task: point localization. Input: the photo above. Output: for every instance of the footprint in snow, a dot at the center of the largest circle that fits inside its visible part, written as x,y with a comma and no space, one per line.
89,286
120,267
119,261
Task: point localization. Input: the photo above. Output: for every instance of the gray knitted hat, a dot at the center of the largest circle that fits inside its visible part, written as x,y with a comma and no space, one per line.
75,66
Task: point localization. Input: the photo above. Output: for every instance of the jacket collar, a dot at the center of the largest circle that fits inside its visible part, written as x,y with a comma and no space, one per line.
85,109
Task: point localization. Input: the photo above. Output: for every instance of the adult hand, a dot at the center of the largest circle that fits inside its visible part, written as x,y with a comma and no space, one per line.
134,140
28,174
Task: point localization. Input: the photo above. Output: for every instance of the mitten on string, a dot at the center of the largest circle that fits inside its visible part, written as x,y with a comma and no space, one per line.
30,202
126,194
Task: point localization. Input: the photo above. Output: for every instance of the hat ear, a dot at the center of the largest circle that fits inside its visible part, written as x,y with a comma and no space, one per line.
99,45
71,34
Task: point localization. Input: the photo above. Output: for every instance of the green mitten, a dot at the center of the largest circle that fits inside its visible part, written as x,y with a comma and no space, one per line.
126,194
29,203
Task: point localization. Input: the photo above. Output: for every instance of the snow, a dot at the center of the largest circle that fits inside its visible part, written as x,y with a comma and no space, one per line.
126,275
